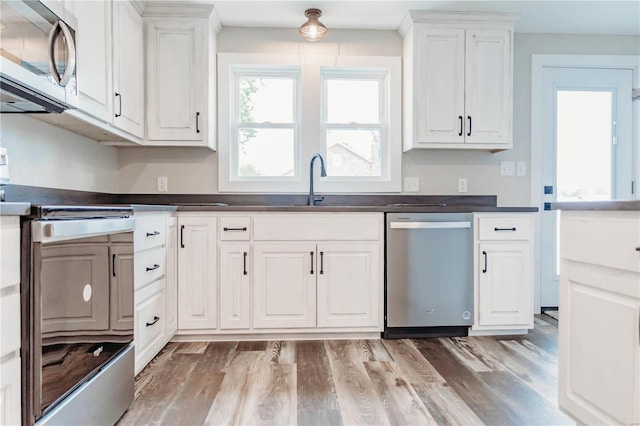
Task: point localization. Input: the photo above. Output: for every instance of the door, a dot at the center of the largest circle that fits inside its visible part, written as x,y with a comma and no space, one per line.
440,68
128,78
197,272
587,151
94,57
348,284
488,83
121,287
235,286
504,285
284,285
175,80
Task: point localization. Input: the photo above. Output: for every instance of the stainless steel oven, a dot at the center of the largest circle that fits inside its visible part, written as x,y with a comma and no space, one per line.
78,307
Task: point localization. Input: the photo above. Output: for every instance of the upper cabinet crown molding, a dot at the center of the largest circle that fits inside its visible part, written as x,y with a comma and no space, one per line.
178,9
459,18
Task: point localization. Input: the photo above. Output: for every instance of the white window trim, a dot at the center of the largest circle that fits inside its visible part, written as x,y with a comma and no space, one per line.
310,132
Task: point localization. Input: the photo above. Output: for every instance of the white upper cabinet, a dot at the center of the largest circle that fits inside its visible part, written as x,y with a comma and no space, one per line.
458,80
181,75
128,68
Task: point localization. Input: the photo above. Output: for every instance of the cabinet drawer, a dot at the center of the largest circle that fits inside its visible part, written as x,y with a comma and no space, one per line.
505,228
150,232
150,265
235,228
601,238
10,323
150,320
9,251
317,227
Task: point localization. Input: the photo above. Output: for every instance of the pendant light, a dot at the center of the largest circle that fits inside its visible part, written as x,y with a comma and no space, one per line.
313,30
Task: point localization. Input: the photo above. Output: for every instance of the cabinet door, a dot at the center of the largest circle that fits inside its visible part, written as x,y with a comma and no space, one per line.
94,58
175,80
235,286
171,273
599,343
284,285
504,287
121,287
149,333
348,285
440,84
197,272
488,98
128,63
74,282
10,406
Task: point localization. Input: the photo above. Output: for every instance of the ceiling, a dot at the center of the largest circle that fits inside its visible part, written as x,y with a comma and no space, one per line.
536,16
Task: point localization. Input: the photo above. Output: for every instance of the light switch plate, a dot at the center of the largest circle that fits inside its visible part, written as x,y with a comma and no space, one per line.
163,184
521,168
463,185
507,168
411,184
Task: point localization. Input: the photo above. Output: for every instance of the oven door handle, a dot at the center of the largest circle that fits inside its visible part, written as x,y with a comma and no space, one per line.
61,230
430,225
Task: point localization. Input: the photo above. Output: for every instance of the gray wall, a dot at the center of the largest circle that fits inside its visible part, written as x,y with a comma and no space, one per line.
194,170
44,155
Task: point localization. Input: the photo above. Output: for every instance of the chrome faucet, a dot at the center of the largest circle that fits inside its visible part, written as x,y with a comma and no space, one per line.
312,199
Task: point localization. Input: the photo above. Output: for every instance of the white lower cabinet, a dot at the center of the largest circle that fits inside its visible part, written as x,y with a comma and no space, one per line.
346,296
235,286
284,290
599,327
503,289
197,273
10,390
155,313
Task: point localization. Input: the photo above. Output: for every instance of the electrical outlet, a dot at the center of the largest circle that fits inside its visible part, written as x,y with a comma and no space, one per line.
463,185
507,168
163,184
411,184
521,168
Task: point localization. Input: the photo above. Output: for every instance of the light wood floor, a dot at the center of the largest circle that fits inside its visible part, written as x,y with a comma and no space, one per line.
506,380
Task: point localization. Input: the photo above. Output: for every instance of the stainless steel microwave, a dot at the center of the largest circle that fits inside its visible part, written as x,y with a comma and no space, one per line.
38,70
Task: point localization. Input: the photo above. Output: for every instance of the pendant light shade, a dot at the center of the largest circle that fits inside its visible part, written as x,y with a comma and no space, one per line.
313,29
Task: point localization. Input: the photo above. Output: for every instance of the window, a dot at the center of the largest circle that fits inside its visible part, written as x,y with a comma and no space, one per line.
276,112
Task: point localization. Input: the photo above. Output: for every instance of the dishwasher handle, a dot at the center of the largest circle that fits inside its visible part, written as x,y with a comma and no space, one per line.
430,225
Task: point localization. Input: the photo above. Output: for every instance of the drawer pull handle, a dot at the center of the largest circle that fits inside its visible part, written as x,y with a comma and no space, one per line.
311,253
153,234
321,262
113,264
181,236
484,253
637,248
243,229
505,229
153,268
244,267
155,320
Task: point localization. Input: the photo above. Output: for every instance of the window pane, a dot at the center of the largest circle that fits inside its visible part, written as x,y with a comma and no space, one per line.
353,101
266,100
265,152
584,145
353,152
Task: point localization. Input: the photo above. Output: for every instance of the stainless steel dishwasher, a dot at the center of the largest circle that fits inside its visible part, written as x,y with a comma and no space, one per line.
429,274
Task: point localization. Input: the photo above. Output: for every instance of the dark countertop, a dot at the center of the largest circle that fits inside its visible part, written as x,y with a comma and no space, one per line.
632,205
382,209
14,209
144,208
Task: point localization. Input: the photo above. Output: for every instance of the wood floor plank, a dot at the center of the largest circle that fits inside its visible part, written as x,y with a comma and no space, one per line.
194,399
444,404
538,357
400,401
252,346
471,388
316,393
359,403
379,350
468,355
273,349
191,348
276,400
148,373
288,352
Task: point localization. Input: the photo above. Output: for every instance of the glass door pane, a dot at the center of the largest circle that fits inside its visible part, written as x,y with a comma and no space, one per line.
584,145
